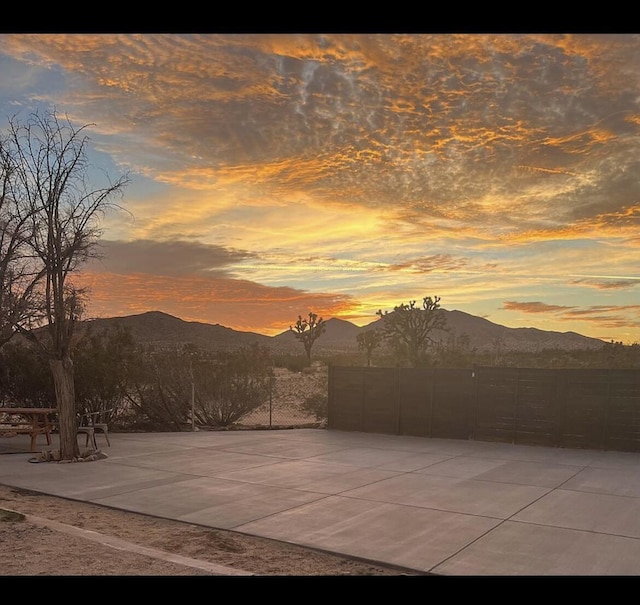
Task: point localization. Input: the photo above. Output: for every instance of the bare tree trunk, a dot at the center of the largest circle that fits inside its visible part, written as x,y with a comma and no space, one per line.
62,370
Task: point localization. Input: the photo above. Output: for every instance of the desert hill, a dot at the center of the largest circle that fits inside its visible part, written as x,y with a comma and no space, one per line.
488,336
163,330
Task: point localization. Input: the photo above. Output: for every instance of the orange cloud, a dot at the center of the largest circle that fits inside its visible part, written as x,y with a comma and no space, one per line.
533,307
237,304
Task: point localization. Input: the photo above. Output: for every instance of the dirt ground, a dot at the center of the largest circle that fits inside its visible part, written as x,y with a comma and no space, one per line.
31,547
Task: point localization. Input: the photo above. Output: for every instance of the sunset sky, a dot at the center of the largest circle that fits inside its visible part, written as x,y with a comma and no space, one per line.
277,174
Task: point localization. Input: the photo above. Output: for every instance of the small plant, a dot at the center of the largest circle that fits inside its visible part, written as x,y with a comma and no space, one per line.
318,405
293,363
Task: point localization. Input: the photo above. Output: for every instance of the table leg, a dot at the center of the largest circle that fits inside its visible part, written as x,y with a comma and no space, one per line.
47,429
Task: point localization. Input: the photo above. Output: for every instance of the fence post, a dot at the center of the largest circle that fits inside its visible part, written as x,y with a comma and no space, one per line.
362,399
193,405
330,394
432,392
271,381
607,408
474,402
398,402
559,407
514,438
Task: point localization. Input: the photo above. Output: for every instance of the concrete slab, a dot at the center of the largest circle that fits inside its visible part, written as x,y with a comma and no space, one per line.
606,514
211,502
621,460
618,481
82,480
486,498
443,506
409,537
520,549
199,461
534,453
503,471
375,457
283,448
309,475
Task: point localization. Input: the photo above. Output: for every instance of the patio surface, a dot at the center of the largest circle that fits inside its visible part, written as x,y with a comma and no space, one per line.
441,506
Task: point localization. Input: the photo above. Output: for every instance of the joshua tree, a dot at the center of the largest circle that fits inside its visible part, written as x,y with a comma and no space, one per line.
307,331
368,341
410,326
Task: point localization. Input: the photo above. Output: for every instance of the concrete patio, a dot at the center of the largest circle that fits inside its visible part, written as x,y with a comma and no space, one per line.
440,506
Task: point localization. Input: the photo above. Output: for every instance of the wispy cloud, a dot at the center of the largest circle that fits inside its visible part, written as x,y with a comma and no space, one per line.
612,316
534,307
356,171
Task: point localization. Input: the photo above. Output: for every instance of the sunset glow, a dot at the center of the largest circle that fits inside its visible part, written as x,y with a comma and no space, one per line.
277,174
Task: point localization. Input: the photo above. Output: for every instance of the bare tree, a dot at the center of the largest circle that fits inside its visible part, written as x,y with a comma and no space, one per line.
307,331
48,169
411,326
17,270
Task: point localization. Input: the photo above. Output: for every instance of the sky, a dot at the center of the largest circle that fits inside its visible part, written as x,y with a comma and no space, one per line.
273,175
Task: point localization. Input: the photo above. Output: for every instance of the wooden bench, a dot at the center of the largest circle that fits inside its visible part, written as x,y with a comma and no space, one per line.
27,421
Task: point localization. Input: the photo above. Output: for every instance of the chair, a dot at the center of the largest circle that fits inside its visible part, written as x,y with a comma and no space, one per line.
93,422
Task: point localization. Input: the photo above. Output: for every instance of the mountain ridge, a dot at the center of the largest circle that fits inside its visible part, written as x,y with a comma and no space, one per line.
164,330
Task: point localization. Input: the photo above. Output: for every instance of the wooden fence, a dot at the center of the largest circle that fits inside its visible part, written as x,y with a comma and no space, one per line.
578,408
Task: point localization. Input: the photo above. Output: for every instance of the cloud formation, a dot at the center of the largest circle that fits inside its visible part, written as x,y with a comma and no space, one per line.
356,172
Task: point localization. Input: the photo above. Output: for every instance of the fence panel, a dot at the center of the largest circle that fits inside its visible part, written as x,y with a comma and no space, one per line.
415,397
585,398
496,397
623,426
380,392
345,406
452,394
536,415
594,408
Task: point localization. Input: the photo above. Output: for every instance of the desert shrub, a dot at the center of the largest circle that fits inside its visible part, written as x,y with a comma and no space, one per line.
159,391
171,389
310,370
102,362
293,363
317,404
231,387
343,359
25,377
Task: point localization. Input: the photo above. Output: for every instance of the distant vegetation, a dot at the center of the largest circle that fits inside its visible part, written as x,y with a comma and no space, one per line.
456,354
147,389
154,389
179,384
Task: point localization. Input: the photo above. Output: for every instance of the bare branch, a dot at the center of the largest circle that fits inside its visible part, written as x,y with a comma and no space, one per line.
49,213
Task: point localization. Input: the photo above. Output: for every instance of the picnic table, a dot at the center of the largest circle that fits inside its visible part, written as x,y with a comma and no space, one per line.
27,421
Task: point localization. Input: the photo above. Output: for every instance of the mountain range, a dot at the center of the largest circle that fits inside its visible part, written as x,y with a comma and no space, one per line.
163,330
